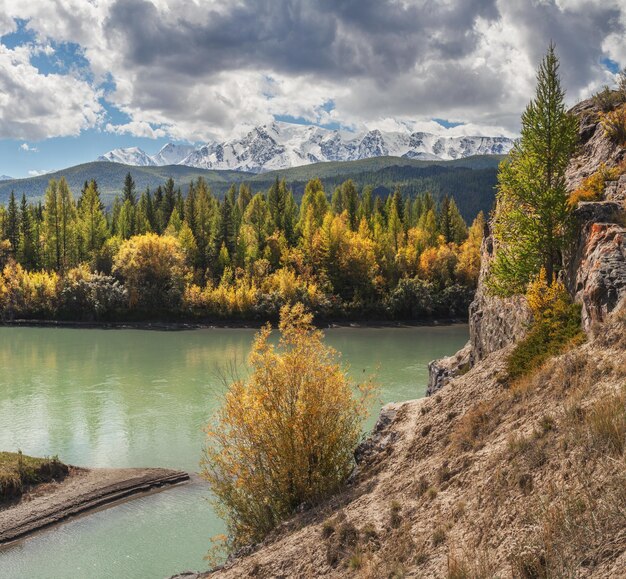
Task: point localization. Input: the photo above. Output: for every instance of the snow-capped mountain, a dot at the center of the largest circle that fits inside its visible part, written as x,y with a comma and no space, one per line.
172,154
282,145
129,156
5,178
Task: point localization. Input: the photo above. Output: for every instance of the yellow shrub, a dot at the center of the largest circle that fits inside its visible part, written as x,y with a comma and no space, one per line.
614,125
592,188
285,436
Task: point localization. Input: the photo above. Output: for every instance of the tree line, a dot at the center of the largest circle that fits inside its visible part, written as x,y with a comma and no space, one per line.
164,253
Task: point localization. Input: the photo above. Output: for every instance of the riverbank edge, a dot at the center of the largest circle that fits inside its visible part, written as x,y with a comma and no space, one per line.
82,492
227,324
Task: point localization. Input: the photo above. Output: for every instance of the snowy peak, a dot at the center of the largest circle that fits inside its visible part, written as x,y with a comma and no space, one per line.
129,156
172,154
281,145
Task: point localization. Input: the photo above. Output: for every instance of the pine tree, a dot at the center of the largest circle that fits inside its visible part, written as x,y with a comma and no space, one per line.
532,216
67,221
12,228
350,202
28,245
128,193
51,227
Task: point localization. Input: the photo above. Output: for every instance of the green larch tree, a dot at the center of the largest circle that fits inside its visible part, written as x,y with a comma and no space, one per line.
532,216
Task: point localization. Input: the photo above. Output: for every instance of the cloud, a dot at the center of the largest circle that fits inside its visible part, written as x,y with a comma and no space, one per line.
36,106
26,147
39,173
196,70
136,128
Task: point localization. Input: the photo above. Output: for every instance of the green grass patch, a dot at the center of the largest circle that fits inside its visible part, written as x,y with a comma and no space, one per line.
18,471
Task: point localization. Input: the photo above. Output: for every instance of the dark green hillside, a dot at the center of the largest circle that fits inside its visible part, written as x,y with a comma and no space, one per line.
470,180
110,178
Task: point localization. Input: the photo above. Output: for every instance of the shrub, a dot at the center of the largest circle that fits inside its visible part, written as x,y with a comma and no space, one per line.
91,296
153,270
27,294
606,99
592,187
412,298
614,125
285,437
556,324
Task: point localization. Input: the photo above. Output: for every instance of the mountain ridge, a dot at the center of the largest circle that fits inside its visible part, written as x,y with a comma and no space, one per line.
279,146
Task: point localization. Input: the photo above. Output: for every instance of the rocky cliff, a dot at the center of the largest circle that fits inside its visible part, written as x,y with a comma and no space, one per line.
594,266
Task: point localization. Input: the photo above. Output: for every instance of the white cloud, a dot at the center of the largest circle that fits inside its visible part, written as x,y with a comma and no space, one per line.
197,70
137,129
26,147
36,106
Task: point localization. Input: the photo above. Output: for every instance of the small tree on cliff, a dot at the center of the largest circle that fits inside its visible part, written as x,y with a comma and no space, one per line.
286,435
532,215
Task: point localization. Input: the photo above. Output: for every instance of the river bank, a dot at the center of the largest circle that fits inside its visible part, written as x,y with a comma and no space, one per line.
83,490
225,324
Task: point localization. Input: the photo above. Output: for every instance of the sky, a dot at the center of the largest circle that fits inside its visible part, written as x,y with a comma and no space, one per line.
81,77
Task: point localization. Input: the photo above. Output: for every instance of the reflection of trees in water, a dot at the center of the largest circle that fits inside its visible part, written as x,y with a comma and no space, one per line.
107,394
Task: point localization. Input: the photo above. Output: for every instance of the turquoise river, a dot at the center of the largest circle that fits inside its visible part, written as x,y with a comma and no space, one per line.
119,398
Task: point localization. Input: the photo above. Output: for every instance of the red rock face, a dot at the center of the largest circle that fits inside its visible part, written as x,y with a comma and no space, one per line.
601,271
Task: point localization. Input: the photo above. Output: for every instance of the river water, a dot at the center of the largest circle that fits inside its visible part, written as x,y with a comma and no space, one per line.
120,398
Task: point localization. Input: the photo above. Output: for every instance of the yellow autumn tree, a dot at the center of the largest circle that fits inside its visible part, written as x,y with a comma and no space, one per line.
154,271
284,437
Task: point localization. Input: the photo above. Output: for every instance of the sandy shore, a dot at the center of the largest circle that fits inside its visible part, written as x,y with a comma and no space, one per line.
81,491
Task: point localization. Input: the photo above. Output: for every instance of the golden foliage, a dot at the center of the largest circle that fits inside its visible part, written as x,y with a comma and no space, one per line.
592,187
285,436
614,124
27,293
153,268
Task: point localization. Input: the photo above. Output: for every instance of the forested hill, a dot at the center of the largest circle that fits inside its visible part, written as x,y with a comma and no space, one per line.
470,180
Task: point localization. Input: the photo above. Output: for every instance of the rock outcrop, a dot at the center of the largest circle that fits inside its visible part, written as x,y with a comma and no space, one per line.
595,265
441,371
596,272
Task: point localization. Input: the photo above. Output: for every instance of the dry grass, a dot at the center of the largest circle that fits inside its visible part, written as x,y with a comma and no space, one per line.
474,426
606,423
471,564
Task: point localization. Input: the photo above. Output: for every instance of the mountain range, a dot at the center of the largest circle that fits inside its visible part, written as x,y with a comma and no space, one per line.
282,145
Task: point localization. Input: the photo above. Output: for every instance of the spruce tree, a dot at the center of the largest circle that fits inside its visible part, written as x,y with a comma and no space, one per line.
13,224
532,216
28,246
128,192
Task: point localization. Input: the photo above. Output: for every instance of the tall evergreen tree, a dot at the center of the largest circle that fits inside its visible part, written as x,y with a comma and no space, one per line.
12,227
67,223
128,192
532,217
28,243
51,227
